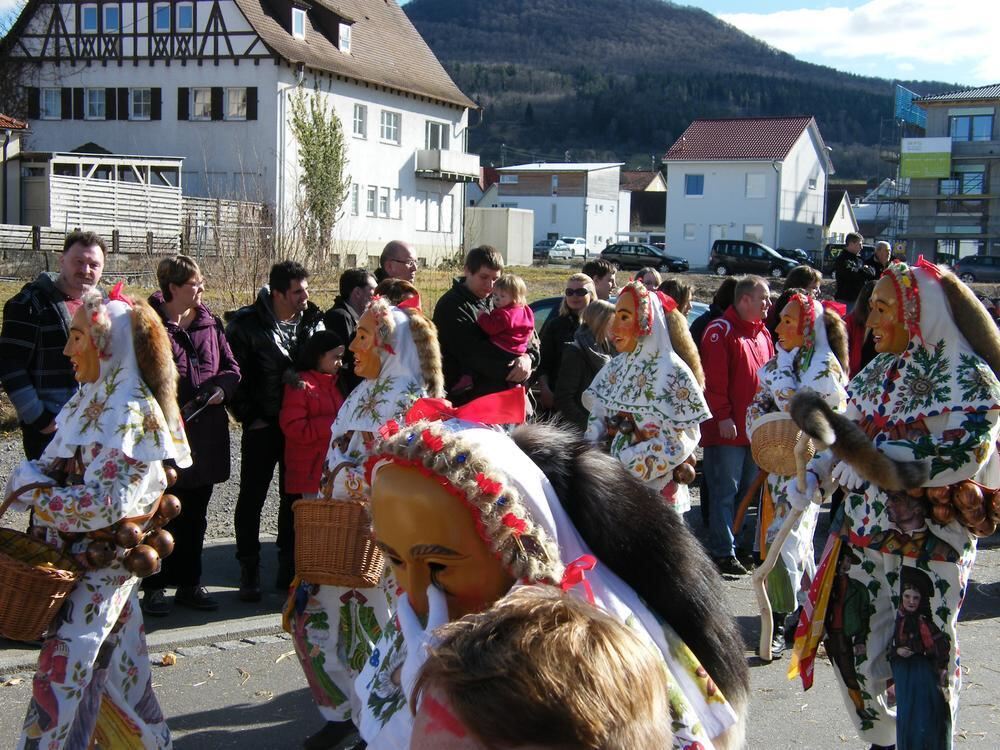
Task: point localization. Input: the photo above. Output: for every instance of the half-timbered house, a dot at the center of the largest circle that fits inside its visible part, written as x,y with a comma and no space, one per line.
212,81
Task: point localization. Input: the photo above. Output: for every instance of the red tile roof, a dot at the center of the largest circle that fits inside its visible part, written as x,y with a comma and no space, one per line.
750,139
636,181
9,123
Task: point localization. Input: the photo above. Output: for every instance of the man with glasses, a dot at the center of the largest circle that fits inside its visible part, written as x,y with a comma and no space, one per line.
357,286
398,261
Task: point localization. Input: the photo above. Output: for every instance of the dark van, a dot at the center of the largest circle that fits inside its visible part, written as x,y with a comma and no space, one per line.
745,256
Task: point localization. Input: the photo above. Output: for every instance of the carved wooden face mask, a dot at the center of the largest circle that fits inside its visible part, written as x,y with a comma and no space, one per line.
625,325
81,350
885,319
429,537
367,363
789,330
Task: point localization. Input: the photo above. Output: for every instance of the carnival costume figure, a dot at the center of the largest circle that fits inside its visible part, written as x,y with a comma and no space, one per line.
929,400
333,627
811,353
115,434
646,405
464,512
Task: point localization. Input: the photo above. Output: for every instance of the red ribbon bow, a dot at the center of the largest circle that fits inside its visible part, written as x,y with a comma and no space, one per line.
932,269
410,302
117,295
574,575
668,302
503,407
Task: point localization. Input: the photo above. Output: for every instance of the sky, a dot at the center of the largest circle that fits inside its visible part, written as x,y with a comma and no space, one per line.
954,42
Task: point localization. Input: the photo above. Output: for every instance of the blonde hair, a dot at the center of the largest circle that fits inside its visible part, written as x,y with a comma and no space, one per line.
543,667
587,283
514,286
597,317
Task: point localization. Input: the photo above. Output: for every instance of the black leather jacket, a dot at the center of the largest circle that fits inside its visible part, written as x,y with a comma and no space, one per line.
264,355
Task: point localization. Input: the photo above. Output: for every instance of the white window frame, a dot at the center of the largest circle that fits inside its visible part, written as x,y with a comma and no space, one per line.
433,212
813,183
193,104
509,179
186,28
436,135
134,100
371,204
384,202
756,186
50,113
109,28
360,121
355,199
344,38
99,99
447,213
690,231
298,23
421,217
228,112
753,232
89,8
155,20
694,195
390,127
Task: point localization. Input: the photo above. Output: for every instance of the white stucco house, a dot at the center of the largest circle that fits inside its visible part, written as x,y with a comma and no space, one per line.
758,178
569,200
212,81
840,218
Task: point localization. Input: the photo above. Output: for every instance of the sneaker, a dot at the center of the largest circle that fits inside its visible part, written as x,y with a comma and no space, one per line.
730,566
195,597
155,604
748,558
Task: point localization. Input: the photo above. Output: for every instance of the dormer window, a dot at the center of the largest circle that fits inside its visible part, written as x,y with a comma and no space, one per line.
88,19
298,23
344,37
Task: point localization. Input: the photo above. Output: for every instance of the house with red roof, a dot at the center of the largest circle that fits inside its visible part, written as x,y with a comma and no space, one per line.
755,178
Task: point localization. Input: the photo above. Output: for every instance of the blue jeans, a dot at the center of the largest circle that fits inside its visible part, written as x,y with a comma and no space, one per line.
729,472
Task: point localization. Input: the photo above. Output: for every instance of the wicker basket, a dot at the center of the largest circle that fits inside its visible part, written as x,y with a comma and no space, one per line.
34,580
772,443
334,544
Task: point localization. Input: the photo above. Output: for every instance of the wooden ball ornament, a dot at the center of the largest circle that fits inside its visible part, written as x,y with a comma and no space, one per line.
171,473
984,528
100,554
943,514
994,507
142,561
968,498
939,495
128,534
170,507
684,474
160,540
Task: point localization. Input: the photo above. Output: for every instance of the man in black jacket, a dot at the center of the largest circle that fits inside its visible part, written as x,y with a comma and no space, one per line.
356,288
265,338
850,271
465,349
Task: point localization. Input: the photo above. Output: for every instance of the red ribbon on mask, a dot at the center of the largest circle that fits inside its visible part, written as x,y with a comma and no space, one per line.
574,575
668,302
931,268
503,407
117,295
412,303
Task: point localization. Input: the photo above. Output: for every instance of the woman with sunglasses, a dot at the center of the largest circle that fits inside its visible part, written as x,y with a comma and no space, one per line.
560,330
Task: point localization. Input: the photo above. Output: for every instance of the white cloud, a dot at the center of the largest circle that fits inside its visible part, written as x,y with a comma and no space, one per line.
919,33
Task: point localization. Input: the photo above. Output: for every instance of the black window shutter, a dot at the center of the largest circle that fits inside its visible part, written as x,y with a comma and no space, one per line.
216,103
66,95
77,104
182,104
34,103
155,103
110,104
123,112
252,103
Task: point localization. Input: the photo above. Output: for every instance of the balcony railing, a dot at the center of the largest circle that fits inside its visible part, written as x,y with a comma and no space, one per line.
450,166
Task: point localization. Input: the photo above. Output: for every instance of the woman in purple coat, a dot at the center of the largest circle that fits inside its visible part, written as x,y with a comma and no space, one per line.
208,377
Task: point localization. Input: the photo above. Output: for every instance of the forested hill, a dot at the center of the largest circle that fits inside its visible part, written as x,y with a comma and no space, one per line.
622,79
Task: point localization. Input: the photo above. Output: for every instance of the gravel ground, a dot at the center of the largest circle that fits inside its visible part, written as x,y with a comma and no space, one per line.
220,510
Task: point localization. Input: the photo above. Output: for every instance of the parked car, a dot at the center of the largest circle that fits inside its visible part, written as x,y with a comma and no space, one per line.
832,250
745,256
797,254
631,256
974,268
577,244
543,308
542,248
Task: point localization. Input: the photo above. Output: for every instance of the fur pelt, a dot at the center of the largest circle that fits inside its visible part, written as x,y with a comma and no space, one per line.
836,336
425,338
647,544
154,356
972,320
684,345
849,443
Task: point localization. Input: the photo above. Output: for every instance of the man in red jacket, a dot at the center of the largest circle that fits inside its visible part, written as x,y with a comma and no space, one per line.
733,348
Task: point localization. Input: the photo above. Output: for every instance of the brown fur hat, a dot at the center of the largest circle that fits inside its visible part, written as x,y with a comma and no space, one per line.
972,320
836,337
683,344
425,338
154,356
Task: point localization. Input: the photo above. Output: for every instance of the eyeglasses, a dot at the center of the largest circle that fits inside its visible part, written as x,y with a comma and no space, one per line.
200,283
581,292
410,263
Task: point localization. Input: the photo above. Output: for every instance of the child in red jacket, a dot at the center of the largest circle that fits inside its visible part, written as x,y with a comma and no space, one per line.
308,409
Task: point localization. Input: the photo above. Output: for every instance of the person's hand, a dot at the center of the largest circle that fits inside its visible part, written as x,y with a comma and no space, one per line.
419,638
520,369
905,652
845,475
786,359
727,429
798,497
218,395
49,429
